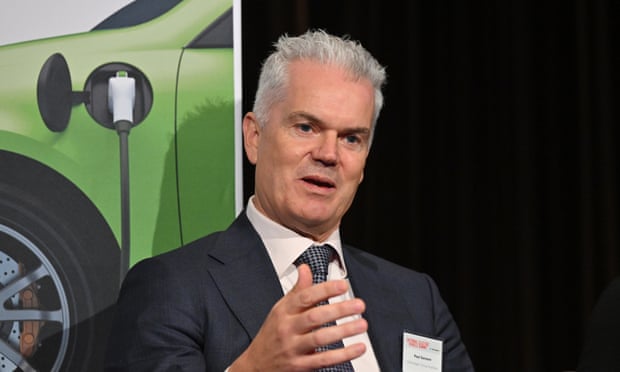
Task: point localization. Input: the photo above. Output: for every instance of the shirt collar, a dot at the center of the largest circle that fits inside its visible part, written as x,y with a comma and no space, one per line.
284,245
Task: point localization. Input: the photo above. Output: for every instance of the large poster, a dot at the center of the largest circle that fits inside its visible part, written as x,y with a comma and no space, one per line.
119,140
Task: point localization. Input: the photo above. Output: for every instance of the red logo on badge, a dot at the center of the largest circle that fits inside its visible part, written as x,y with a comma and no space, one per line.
417,343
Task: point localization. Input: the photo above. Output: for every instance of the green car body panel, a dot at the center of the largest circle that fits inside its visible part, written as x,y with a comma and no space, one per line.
188,131
60,191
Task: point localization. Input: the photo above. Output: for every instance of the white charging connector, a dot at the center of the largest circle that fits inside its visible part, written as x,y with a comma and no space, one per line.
121,97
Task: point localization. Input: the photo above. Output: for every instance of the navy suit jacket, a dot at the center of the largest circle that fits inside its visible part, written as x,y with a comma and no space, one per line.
197,308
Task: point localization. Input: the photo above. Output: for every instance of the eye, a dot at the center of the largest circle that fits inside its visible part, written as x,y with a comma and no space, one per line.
355,140
303,127
352,139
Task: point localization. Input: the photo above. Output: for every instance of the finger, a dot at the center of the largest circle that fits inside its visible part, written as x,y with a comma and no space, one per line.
305,295
336,356
346,311
304,278
319,315
314,319
328,335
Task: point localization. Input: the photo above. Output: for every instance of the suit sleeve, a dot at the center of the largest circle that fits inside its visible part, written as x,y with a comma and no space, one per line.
455,355
601,343
155,327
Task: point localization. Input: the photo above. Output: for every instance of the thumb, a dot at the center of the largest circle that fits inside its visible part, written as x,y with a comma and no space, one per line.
304,277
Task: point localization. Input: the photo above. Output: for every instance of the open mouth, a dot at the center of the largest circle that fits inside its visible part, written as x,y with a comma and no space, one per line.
320,182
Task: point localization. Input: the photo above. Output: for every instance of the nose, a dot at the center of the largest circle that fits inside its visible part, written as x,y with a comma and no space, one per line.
326,150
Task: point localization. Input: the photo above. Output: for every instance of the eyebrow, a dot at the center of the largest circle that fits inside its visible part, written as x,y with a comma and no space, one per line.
303,115
311,118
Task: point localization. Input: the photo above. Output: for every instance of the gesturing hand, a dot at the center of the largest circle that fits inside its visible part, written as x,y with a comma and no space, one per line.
292,330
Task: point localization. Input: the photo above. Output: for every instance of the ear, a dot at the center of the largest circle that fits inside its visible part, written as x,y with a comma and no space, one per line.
361,177
251,134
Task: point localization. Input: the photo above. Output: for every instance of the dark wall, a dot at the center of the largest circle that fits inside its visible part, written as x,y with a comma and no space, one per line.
495,167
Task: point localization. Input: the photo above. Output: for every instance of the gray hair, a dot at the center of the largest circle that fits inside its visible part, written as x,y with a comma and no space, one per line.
317,46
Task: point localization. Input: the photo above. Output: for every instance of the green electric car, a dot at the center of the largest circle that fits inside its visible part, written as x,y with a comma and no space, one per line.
83,196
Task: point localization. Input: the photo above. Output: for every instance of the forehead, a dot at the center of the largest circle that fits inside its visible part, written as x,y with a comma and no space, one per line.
329,92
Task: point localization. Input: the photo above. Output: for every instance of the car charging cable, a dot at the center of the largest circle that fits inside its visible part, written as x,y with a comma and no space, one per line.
121,101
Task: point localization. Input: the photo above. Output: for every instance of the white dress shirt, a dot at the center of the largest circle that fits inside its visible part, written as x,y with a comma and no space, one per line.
284,246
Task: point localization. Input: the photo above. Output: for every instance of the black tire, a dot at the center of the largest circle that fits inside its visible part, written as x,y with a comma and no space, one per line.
57,248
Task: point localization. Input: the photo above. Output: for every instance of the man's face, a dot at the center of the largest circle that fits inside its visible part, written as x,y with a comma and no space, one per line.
311,153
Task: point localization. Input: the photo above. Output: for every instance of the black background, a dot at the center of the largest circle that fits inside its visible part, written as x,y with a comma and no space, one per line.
495,166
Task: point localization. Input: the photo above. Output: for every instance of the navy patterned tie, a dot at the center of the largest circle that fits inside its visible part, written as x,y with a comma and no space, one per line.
318,258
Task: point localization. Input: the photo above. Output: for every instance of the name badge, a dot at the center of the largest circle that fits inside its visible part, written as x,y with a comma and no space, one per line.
421,354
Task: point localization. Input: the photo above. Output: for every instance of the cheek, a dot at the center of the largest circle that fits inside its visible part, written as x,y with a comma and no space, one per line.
355,170
278,166
353,181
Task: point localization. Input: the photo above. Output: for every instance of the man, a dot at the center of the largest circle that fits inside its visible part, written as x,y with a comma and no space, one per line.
241,299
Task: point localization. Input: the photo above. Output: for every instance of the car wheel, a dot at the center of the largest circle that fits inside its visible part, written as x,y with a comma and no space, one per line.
59,273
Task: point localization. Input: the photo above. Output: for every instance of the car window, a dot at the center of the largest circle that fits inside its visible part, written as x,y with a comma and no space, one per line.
219,34
137,12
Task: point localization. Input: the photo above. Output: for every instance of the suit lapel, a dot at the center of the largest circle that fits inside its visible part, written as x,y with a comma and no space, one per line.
384,309
242,270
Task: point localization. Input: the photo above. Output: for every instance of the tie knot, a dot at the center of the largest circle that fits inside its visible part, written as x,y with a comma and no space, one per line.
318,258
